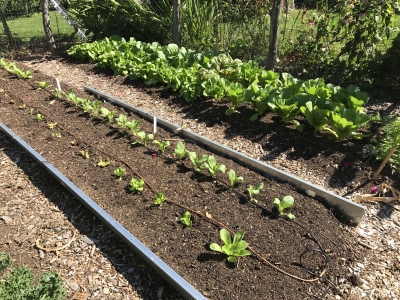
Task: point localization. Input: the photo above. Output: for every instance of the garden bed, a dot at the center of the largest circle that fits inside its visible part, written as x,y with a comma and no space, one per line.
186,250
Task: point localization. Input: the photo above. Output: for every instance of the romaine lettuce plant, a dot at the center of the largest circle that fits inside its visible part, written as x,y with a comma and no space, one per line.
102,163
186,219
52,125
233,179
162,145
107,114
255,191
180,151
85,153
136,185
121,120
144,137
43,85
211,165
234,248
286,202
160,199
119,172
196,161
133,126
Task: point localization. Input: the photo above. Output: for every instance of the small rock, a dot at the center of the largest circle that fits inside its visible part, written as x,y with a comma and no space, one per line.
41,254
6,219
89,241
73,285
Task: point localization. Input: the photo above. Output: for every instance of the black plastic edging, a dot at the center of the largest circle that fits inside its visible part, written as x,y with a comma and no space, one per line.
180,284
349,209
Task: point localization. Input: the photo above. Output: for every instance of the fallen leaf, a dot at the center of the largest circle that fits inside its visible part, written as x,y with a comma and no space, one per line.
80,296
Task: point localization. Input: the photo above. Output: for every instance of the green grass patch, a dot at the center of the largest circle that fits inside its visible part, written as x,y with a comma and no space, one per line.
31,27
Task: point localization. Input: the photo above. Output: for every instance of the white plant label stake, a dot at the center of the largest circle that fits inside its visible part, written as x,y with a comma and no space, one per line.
58,84
155,125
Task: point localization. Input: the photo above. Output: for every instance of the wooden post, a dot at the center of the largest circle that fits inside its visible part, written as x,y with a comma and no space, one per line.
47,28
273,38
7,30
384,163
176,20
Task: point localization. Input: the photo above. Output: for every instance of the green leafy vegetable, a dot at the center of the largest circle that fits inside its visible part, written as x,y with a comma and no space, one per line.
255,191
234,248
162,145
196,161
107,114
180,151
233,179
144,137
136,185
286,202
31,111
102,163
186,219
43,85
211,165
121,120
39,117
160,199
133,126
85,153
119,172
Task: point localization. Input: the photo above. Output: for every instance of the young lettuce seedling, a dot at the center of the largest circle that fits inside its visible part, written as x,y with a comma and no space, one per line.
108,114
56,134
287,201
96,107
121,120
136,185
255,191
234,248
85,153
211,165
31,111
133,126
43,85
57,93
39,117
102,163
186,219
162,145
160,199
233,179
119,172
52,125
196,161
144,137
180,151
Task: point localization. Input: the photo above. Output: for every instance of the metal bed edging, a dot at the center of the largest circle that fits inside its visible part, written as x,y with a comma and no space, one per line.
352,211
165,271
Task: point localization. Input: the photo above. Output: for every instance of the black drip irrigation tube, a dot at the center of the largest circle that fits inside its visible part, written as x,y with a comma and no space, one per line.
165,271
350,210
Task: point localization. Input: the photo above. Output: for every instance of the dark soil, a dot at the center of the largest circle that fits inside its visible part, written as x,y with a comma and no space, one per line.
186,249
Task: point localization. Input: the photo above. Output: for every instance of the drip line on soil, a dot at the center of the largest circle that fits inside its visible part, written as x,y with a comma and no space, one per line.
209,219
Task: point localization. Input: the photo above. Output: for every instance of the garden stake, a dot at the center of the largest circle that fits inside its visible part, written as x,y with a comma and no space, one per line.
58,84
384,162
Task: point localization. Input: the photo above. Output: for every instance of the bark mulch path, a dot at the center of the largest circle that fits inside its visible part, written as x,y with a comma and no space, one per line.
186,250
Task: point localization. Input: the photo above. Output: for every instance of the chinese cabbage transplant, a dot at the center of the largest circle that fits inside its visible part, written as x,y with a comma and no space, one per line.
195,75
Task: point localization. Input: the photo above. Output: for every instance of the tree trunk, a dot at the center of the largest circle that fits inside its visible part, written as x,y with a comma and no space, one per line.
7,30
47,28
26,7
176,20
273,38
